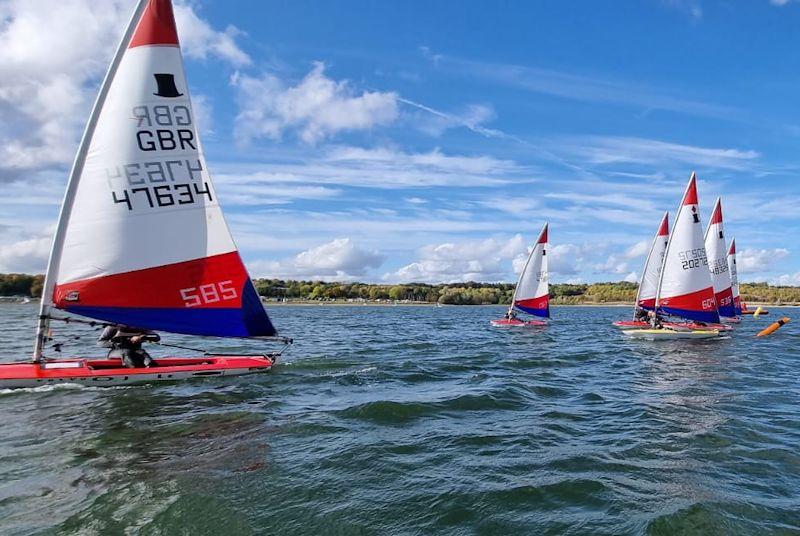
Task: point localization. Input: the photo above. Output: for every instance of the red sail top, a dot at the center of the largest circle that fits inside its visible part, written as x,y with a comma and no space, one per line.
157,25
664,229
691,192
543,236
716,216
732,250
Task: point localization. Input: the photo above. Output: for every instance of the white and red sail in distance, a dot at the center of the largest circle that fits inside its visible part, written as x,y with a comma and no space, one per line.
648,285
142,239
737,301
685,287
717,252
532,294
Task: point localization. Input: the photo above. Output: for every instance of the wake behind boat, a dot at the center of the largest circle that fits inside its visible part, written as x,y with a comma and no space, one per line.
532,293
141,243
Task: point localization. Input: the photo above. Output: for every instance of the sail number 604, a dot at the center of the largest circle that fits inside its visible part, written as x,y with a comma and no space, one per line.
209,293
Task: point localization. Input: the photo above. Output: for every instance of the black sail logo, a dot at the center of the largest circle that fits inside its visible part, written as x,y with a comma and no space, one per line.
166,86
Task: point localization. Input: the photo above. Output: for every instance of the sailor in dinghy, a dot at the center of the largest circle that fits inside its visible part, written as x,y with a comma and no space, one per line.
532,293
684,288
141,239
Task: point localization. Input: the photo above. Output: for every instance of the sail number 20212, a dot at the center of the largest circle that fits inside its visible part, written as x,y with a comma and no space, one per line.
209,293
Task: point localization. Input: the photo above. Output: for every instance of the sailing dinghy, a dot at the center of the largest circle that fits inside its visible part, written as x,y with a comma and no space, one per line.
648,284
717,252
532,294
141,240
684,288
737,300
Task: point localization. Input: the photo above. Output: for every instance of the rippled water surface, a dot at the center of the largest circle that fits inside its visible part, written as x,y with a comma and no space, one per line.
420,420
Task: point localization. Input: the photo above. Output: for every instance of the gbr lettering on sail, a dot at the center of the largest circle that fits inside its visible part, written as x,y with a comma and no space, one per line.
169,172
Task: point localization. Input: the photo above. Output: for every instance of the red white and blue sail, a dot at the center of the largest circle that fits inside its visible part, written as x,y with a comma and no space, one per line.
737,301
141,239
532,294
685,287
648,285
717,252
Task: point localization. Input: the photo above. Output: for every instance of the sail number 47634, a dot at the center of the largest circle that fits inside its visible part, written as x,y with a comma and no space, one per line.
209,293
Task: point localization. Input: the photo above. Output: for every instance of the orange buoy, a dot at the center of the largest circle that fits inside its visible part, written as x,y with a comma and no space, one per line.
775,326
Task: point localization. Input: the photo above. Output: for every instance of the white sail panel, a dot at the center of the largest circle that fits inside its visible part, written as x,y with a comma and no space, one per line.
648,285
685,287
142,239
532,294
737,301
717,251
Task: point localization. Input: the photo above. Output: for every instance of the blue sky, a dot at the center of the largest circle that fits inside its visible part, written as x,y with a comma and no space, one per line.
429,141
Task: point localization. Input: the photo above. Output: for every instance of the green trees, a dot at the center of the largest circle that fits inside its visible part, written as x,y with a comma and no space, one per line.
21,285
469,293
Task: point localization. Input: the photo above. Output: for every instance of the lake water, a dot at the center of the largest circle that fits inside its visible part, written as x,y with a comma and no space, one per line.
419,420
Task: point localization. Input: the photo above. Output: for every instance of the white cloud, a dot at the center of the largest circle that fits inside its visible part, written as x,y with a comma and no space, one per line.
759,260
199,40
603,150
787,280
639,249
580,87
779,2
435,122
25,256
339,260
317,107
475,260
52,56
383,168
632,277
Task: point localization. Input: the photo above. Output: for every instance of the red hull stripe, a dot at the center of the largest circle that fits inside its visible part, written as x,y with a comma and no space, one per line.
648,304
535,306
700,305
702,300
211,282
157,25
725,303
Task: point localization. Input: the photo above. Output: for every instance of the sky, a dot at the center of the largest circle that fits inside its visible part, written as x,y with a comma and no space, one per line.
429,141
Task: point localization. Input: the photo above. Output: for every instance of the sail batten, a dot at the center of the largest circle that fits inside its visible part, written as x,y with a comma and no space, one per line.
142,239
685,288
532,293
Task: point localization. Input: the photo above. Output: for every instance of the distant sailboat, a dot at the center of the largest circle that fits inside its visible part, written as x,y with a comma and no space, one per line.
737,300
685,289
532,293
717,252
141,239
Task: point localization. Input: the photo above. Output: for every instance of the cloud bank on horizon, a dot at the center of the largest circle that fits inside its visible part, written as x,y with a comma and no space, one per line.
372,145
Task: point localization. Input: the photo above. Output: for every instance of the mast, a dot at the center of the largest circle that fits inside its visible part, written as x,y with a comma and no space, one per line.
51,276
525,267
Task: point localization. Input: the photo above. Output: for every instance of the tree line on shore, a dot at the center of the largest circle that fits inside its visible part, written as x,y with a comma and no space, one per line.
470,293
